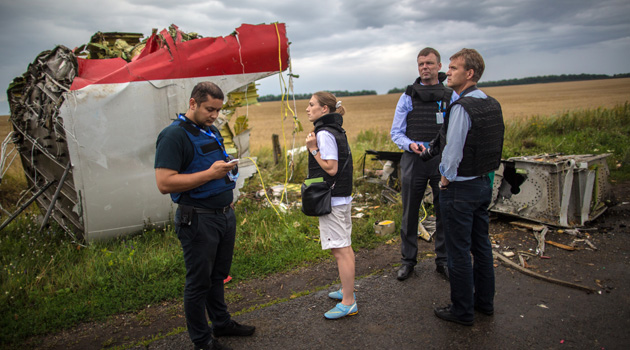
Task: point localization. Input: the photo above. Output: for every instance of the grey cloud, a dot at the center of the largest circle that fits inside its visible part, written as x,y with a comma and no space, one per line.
349,34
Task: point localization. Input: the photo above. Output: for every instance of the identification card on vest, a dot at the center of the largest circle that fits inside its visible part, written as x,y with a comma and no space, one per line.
439,118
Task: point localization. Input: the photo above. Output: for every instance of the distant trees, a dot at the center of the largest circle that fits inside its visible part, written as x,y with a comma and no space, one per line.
397,90
505,82
538,80
307,96
551,79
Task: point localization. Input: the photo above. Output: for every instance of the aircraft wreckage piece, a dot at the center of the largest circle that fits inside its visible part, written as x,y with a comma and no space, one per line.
102,117
558,190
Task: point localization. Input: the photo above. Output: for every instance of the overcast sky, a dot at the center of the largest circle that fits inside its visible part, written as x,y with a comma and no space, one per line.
348,44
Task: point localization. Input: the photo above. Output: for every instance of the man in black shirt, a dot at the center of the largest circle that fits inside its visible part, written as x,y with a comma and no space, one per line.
192,166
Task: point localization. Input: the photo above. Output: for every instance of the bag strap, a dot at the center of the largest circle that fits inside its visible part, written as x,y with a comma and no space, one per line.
342,169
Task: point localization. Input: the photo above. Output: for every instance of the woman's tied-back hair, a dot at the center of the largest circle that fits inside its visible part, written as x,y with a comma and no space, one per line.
472,60
325,98
203,89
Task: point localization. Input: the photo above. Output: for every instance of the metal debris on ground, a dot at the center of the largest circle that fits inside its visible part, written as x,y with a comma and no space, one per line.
540,237
553,189
426,228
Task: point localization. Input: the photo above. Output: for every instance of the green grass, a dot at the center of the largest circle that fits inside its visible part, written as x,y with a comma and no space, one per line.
48,283
576,132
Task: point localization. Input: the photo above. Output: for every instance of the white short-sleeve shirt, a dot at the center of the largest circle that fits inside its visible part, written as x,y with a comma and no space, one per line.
328,151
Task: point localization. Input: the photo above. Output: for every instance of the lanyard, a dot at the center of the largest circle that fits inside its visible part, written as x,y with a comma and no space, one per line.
209,134
233,174
441,106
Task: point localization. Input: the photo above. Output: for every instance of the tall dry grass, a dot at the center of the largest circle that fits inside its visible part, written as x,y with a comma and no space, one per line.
376,112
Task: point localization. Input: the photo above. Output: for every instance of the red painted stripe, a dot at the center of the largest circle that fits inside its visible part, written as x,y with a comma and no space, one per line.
194,58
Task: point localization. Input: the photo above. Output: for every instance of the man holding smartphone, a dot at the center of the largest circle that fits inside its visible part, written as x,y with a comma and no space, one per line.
191,165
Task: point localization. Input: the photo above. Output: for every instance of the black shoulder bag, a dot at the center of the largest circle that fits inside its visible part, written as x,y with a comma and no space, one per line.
316,196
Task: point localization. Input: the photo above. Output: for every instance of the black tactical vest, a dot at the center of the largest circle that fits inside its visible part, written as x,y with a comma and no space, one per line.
343,187
427,101
484,141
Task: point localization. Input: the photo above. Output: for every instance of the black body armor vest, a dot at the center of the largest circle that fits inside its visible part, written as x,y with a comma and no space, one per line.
484,141
343,187
427,101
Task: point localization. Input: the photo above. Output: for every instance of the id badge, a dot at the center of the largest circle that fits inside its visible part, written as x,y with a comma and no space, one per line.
439,118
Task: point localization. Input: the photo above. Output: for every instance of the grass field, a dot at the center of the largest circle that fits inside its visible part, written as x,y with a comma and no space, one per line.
377,112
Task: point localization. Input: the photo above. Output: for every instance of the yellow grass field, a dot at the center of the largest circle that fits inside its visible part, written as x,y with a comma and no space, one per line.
377,112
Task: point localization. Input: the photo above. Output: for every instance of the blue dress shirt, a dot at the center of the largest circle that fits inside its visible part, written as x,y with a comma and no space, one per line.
458,127
399,125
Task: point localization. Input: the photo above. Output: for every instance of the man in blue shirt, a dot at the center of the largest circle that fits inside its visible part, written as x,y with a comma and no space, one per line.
471,142
417,120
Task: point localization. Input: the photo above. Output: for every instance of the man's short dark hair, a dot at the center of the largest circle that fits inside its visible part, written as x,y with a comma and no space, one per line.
472,60
202,90
429,50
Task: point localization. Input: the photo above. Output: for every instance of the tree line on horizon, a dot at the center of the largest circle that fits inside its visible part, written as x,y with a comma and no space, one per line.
307,96
506,82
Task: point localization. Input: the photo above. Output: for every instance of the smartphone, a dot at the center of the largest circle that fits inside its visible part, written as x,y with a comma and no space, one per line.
233,161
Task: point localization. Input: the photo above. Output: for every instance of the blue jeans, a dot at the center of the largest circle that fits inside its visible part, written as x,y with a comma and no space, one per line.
208,245
464,206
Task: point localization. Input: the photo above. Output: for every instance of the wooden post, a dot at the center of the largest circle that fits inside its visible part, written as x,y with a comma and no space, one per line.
276,148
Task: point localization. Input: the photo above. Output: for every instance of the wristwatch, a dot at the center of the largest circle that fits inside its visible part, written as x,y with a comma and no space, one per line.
441,185
314,152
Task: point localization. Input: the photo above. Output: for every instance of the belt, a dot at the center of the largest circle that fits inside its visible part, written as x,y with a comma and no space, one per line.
212,211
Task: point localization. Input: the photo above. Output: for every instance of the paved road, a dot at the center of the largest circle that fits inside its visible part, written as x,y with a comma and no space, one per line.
529,314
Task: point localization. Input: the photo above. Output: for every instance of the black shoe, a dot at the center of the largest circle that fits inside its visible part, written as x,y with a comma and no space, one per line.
445,314
404,272
213,345
485,312
233,329
443,270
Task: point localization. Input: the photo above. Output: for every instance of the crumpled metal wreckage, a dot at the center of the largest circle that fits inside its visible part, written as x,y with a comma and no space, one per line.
85,127
556,190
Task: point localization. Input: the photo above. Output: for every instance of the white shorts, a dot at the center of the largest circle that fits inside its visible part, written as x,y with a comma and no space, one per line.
335,229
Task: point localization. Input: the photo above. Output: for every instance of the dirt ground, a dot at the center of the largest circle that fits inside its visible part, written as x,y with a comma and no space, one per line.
529,313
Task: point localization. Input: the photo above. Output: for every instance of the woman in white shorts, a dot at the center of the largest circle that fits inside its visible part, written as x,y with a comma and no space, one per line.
330,158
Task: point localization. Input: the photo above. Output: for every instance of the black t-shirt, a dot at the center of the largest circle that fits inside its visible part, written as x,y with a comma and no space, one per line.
175,151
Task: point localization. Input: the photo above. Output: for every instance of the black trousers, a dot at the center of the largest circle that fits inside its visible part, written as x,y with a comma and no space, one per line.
415,174
208,246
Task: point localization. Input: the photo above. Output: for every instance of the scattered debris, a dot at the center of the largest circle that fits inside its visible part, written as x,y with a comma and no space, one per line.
560,245
423,233
528,224
523,260
539,276
540,237
588,242
385,227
